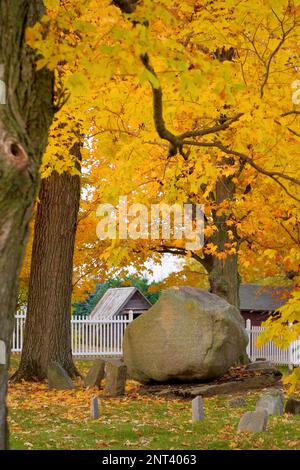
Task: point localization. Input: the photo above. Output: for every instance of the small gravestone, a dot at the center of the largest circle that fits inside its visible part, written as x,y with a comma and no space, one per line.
197,409
292,406
236,403
94,407
258,365
2,353
254,421
95,374
115,379
272,402
58,378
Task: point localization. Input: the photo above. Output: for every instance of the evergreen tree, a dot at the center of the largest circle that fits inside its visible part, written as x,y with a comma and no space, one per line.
84,307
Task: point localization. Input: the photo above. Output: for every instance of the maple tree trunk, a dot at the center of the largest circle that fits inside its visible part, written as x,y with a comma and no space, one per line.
223,274
25,118
224,279
47,334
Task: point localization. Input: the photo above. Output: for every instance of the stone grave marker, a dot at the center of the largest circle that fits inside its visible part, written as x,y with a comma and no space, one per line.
292,406
58,378
115,379
254,421
2,353
258,365
271,401
197,409
94,407
95,375
236,403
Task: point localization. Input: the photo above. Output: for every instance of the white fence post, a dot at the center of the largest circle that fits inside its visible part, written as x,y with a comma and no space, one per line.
290,353
290,357
130,315
248,330
18,333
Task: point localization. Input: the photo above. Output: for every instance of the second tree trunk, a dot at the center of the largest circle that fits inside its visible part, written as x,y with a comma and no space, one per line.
223,275
48,328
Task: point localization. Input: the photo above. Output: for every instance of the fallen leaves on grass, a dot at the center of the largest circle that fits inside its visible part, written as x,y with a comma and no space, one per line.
52,419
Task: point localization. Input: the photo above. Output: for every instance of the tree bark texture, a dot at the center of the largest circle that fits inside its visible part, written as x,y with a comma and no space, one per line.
47,335
223,274
25,118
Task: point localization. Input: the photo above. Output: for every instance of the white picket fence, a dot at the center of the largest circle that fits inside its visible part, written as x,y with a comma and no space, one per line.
98,337
289,356
89,337
105,338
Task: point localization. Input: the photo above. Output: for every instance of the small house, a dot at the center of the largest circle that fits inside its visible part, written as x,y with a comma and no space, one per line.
120,301
257,303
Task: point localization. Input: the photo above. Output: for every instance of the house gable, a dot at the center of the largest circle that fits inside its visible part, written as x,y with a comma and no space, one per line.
137,302
119,301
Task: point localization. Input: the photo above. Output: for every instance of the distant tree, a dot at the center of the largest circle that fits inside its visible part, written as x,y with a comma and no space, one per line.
84,307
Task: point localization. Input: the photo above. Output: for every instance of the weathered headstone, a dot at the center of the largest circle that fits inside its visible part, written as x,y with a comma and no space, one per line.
2,353
197,409
258,365
292,406
236,403
272,402
95,374
115,379
58,378
94,407
254,421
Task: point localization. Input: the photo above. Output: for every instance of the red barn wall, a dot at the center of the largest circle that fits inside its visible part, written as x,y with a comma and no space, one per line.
256,317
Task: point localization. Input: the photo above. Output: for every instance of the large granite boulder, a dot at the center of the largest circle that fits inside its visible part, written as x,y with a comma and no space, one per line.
188,335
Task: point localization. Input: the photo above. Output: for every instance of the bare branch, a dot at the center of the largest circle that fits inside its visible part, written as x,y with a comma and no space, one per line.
272,55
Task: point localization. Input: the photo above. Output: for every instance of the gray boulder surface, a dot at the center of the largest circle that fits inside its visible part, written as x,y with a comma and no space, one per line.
189,335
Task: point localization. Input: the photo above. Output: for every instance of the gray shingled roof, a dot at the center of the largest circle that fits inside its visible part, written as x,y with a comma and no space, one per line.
266,298
112,302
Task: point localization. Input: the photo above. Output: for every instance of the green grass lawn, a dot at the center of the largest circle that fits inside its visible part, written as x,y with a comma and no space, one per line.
43,419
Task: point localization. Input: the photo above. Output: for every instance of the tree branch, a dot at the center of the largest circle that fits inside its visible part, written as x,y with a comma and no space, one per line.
177,142
163,132
294,239
206,261
288,113
243,157
211,130
272,55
